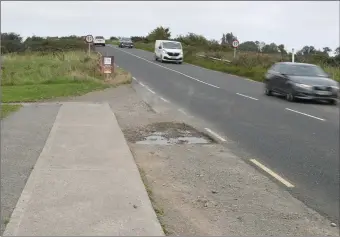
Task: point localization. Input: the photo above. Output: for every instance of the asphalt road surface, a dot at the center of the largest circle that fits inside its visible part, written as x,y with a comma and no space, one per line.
297,141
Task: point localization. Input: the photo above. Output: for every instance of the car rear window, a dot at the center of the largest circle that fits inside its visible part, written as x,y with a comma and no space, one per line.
99,37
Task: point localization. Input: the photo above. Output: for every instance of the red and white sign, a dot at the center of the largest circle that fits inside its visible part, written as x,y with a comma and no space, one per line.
89,39
235,43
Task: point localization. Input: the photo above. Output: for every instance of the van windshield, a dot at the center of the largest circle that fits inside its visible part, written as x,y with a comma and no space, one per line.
172,45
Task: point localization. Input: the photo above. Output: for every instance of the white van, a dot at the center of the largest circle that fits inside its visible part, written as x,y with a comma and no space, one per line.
168,51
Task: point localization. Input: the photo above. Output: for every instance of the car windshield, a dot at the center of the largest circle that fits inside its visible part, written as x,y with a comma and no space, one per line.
99,37
126,40
172,45
303,70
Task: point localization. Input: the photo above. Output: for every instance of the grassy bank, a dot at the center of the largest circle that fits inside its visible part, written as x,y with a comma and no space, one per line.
6,109
252,66
39,76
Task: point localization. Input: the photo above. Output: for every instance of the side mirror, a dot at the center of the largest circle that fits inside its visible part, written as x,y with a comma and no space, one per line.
160,47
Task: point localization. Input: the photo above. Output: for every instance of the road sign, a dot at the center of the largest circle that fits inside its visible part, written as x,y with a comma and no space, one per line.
235,43
89,39
107,61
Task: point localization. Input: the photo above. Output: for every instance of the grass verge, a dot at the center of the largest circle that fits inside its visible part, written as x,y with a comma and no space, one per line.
7,109
40,76
250,66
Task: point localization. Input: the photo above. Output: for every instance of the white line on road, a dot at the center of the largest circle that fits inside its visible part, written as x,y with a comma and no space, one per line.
164,100
247,96
150,90
215,134
182,111
272,173
195,79
141,84
311,116
134,78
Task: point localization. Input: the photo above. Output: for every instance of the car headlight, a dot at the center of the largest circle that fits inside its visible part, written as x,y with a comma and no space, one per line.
335,87
304,86
165,51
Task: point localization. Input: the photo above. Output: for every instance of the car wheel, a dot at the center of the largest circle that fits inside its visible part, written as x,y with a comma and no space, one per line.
267,91
156,59
290,97
333,102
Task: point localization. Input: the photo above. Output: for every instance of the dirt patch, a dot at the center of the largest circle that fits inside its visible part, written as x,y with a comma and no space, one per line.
166,133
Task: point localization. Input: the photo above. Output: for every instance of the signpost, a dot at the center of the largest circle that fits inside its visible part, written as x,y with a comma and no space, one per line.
235,46
293,56
89,41
108,65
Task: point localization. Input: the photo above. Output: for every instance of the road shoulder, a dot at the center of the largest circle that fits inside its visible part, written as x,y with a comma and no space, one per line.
206,189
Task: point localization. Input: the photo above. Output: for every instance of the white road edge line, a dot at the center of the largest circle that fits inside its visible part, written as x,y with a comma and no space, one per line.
134,78
246,96
216,135
164,100
182,111
141,84
295,111
170,69
272,173
150,90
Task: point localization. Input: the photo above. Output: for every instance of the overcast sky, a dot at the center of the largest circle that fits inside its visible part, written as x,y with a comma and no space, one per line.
294,24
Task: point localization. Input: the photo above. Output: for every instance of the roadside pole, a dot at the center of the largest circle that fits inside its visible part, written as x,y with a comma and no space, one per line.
293,56
89,41
235,46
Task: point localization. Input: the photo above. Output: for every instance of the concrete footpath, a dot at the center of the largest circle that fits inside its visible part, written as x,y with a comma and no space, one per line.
85,181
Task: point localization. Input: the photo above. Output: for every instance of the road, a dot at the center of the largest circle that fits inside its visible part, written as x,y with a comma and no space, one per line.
297,141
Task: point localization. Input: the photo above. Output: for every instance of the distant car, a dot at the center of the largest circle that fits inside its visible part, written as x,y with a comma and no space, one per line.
125,43
301,81
99,40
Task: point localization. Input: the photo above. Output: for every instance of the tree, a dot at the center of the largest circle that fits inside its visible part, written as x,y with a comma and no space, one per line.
337,51
327,50
282,50
11,42
270,48
160,33
307,50
223,40
248,46
230,38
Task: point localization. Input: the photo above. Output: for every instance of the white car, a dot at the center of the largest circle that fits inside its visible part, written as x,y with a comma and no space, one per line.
99,40
168,51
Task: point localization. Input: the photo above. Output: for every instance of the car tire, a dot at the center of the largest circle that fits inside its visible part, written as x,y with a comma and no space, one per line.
179,62
156,59
333,102
267,91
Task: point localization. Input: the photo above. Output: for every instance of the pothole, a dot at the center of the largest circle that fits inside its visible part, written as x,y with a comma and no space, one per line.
167,133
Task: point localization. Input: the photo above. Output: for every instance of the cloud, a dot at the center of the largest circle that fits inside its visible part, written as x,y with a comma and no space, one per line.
294,24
